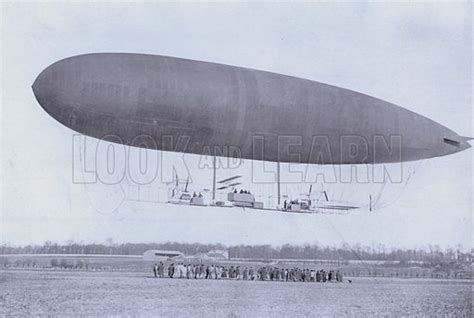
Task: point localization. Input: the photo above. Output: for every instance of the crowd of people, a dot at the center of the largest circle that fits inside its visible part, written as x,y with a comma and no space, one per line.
265,273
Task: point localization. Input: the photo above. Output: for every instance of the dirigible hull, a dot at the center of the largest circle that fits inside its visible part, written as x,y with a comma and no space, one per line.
182,105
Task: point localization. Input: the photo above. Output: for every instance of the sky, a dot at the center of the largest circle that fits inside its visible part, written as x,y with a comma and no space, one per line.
416,55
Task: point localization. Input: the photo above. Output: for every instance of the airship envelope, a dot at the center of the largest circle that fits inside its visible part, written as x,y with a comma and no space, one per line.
181,105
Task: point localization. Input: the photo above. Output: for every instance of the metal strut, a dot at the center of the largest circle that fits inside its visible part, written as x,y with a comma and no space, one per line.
214,179
278,180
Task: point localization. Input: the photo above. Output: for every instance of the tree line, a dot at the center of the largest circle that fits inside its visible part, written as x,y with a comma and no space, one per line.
287,251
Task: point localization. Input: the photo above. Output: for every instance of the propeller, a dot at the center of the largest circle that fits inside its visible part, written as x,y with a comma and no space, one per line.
325,193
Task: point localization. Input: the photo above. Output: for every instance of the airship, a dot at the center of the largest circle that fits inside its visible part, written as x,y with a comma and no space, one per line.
175,104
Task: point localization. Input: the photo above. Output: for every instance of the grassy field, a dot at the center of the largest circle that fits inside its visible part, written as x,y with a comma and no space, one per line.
137,264
46,292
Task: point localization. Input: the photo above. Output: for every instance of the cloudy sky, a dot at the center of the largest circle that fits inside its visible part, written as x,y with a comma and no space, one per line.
418,56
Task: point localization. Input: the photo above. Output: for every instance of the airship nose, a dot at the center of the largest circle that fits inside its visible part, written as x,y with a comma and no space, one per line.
42,91
49,90
35,87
